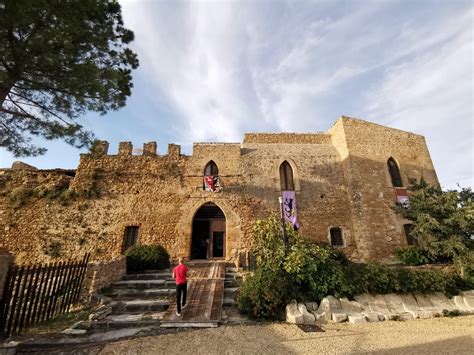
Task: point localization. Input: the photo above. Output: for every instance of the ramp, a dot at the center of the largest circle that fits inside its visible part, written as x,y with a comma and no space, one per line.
204,299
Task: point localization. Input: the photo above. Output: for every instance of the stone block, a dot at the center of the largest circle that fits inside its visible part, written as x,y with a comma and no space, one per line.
374,317
379,306
308,318
357,318
293,315
468,297
426,305
410,305
442,302
461,305
350,307
311,306
339,317
322,317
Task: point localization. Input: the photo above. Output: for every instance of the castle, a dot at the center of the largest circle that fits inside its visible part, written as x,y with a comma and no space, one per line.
344,184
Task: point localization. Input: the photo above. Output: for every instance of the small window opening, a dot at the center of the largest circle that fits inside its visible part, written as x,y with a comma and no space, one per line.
336,237
394,173
408,229
286,177
130,237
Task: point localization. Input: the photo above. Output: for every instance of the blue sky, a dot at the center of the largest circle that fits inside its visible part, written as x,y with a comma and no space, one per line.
211,71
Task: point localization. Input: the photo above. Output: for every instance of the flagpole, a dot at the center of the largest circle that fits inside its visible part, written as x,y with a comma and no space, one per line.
282,218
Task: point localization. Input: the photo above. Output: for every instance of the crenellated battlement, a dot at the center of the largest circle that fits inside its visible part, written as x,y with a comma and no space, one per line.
126,149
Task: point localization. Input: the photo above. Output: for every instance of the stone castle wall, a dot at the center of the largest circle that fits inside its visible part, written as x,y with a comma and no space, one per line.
341,180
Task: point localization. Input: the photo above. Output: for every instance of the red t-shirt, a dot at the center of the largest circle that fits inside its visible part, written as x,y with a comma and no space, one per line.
180,274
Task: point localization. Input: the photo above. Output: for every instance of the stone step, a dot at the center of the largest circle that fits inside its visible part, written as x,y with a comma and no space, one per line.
231,283
142,284
148,276
229,302
139,306
229,292
130,294
232,276
125,321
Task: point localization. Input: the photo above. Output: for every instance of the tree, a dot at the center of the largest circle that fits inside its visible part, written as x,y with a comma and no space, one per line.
59,59
443,222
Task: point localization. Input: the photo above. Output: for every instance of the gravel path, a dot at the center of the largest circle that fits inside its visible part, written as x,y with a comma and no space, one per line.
432,336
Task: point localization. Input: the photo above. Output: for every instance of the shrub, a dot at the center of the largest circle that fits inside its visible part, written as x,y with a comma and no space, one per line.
265,293
412,256
309,271
143,257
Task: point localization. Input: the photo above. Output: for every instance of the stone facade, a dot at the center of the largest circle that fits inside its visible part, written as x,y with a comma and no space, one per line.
101,274
340,177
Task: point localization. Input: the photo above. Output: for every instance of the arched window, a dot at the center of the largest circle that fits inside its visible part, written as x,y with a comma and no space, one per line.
336,237
394,173
286,177
211,169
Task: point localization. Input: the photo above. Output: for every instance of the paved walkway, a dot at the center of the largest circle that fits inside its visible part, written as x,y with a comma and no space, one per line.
204,299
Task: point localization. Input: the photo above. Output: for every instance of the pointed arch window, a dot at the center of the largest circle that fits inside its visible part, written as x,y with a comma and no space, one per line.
286,177
211,169
394,172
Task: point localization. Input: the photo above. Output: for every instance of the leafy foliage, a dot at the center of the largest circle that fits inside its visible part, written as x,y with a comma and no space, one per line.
58,60
144,257
443,224
412,255
310,271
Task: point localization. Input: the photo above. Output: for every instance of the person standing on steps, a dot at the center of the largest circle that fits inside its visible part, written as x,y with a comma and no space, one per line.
180,273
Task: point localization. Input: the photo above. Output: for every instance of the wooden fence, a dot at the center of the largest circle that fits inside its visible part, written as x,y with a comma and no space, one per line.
36,293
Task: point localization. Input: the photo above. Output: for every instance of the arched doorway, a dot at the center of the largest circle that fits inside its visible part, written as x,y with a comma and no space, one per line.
208,235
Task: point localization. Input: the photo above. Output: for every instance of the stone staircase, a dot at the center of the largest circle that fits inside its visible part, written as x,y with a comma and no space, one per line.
141,300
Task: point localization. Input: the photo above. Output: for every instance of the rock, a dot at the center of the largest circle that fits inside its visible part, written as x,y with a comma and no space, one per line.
19,165
293,315
311,306
71,331
461,305
440,301
468,297
308,318
339,317
350,307
412,306
395,306
321,318
373,317
331,305
380,307
357,318
425,304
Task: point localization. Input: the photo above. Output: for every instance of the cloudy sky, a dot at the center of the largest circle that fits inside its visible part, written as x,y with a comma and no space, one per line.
212,70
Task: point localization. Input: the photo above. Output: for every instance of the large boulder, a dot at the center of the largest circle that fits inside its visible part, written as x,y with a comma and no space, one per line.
468,297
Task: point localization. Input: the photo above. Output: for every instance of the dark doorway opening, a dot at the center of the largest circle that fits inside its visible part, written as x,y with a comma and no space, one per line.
208,235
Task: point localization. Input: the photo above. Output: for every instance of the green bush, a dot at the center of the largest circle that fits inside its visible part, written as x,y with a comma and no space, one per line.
309,271
412,255
265,293
143,257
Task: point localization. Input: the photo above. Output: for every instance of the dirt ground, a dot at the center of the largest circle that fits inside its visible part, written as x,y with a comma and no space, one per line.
432,336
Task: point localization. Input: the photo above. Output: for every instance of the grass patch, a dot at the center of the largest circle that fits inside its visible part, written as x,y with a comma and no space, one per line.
59,323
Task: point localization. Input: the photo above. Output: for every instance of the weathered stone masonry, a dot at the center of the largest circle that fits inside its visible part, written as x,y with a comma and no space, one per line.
341,180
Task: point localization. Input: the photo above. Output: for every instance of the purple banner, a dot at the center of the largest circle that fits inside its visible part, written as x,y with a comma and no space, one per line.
289,208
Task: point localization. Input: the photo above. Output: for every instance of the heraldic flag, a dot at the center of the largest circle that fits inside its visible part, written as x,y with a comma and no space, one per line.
289,208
